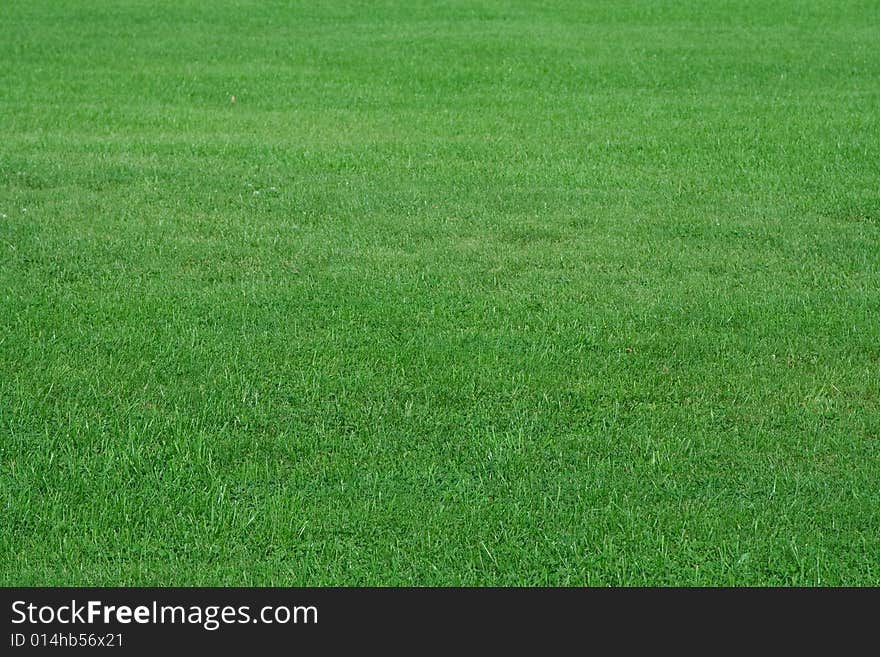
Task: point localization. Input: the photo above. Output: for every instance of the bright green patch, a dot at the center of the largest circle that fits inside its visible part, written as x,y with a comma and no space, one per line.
453,293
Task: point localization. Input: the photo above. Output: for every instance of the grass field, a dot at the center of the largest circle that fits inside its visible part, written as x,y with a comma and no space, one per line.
478,293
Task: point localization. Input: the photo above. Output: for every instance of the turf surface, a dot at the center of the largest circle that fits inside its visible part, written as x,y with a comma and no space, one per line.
453,293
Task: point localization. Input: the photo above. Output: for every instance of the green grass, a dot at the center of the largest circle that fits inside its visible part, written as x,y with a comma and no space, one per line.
479,293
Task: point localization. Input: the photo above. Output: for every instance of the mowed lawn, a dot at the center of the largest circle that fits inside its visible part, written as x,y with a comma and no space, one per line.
454,293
